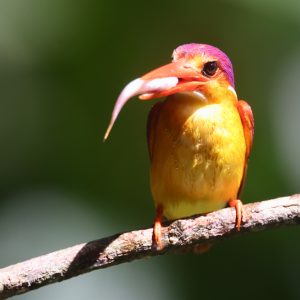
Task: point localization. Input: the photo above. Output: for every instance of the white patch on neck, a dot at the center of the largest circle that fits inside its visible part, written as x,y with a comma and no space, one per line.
196,94
232,90
200,95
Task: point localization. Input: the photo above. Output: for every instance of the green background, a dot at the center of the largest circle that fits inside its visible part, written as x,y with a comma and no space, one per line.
62,65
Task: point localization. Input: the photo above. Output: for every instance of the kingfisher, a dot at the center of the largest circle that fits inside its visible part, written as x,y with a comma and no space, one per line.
199,138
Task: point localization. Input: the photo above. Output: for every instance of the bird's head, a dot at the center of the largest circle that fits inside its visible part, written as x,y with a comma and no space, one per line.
198,68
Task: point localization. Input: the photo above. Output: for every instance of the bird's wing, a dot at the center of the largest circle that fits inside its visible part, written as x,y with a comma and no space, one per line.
247,119
151,126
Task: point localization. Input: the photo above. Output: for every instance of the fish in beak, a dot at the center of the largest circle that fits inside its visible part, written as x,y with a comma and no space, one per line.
175,77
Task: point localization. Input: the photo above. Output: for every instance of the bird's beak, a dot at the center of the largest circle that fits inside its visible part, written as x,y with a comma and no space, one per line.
178,76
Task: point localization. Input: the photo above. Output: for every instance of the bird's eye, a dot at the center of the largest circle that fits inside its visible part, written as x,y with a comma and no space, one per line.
210,68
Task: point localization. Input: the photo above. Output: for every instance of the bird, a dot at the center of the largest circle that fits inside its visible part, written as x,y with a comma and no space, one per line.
199,137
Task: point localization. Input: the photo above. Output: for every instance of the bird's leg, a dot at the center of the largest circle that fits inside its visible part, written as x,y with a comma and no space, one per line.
238,205
156,237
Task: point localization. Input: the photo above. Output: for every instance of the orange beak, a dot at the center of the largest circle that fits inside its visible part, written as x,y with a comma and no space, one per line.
178,76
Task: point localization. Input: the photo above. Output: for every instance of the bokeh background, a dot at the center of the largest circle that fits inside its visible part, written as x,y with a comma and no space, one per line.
62,65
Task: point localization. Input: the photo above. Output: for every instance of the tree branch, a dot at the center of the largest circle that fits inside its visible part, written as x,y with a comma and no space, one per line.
128,246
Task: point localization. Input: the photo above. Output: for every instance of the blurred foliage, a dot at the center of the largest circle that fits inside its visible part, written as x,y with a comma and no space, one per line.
62,65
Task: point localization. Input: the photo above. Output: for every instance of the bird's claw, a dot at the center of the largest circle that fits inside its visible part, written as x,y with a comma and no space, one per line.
239,208
156,237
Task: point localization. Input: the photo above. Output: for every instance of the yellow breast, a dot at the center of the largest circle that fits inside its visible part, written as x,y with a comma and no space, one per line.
198,156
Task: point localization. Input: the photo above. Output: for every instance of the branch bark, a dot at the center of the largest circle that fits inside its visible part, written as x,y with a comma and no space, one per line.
124,247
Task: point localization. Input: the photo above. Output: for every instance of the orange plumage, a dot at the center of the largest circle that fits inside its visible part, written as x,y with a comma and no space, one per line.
199,138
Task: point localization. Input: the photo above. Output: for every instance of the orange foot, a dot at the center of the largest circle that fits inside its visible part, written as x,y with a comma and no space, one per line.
157,228
238,205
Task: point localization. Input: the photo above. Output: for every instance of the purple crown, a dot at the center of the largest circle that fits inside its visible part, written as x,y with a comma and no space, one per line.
208,51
